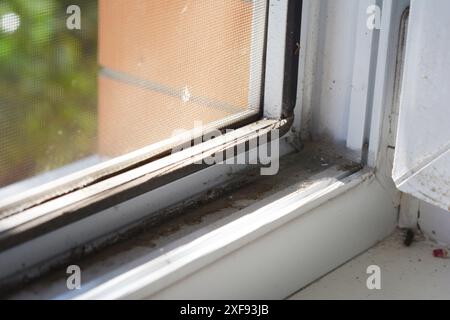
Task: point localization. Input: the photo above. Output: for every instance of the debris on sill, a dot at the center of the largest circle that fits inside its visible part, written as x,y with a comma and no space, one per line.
409,237
153,234
441,253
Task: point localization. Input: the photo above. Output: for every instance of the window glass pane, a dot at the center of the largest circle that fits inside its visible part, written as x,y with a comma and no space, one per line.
84,81
48,87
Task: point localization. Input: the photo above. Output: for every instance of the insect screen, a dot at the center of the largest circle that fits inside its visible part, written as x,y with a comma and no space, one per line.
83,81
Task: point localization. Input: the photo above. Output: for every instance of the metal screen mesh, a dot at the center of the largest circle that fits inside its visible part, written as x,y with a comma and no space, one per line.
133,74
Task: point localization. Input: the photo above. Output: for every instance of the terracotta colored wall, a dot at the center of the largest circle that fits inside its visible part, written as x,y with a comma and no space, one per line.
199,45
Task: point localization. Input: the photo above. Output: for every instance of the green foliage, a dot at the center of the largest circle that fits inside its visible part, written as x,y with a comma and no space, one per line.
48,87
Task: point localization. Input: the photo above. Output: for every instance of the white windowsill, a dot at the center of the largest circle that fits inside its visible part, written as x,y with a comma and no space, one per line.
272,236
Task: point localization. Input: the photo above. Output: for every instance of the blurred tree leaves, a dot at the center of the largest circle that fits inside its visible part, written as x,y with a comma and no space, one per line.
48,87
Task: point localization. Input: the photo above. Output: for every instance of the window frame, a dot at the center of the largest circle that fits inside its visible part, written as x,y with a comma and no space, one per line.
43,210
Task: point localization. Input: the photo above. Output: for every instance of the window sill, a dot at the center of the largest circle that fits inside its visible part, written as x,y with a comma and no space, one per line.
314,212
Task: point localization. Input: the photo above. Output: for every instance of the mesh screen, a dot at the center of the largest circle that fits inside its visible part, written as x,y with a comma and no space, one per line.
82,86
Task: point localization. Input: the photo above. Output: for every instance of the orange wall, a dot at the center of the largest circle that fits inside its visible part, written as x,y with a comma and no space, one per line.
201,45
